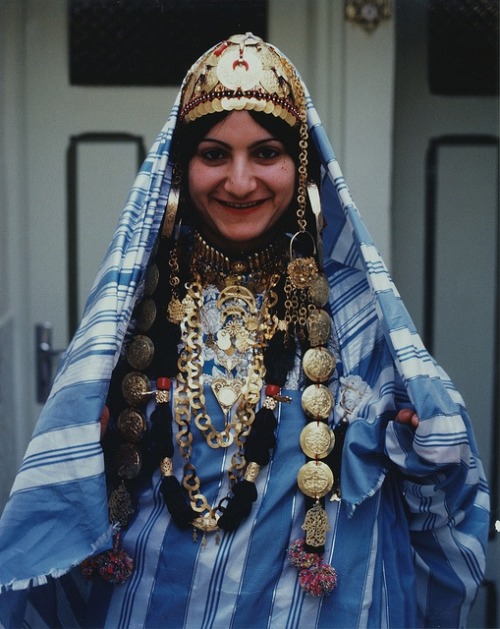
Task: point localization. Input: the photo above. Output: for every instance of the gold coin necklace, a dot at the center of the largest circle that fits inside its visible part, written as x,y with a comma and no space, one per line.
308,290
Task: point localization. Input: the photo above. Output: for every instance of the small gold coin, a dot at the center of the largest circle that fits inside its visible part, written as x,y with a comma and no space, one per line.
128,461
318,364
146,315
152,277
135,388
319,290
319,326
317,401
140,352
317,440
315,479
131,424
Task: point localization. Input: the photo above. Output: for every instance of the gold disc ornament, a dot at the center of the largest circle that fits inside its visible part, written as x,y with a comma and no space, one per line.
319,325
315,479
140,352
128,461
319,290
146,315
318,364
317,401
317,440
132,424
136,388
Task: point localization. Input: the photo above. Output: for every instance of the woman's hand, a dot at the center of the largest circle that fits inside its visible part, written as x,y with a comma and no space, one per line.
407,416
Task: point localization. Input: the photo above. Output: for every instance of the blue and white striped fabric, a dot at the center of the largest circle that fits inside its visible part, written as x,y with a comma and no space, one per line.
408,540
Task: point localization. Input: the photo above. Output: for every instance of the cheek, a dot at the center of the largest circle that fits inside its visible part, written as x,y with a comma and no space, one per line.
288,181
197,183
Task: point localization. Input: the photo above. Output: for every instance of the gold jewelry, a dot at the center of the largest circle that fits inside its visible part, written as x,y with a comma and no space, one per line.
237,305
254,271
243,72
172,203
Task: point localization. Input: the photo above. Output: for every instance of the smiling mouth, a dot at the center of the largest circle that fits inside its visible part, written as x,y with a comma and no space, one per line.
241,206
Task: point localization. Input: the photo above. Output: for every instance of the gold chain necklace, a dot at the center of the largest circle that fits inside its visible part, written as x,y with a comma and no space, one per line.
237,302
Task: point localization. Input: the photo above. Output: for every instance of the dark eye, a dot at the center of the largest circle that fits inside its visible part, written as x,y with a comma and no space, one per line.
268,152
212,154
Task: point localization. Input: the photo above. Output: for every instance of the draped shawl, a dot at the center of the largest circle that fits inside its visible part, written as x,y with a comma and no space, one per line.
57,513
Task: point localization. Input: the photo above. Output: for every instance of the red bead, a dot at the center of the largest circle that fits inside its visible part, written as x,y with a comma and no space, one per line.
163,384
272,390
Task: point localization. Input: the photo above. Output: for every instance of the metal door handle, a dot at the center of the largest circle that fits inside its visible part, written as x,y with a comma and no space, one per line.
45,359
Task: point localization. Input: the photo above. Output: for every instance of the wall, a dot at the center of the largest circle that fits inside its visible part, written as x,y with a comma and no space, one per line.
466,295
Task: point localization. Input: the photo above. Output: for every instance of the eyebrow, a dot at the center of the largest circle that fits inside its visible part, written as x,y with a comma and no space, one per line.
271,138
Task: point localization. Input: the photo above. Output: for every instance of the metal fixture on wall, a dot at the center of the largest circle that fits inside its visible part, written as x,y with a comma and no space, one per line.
367,13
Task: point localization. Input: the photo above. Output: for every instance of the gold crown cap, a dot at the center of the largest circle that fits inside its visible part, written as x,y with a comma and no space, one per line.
243,72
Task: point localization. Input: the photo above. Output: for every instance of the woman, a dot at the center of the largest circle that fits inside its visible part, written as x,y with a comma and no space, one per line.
234,383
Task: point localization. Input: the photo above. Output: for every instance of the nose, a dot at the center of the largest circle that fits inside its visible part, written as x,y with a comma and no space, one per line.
240,179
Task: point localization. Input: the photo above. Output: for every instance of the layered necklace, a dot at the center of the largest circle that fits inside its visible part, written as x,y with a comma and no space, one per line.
252,323
246,324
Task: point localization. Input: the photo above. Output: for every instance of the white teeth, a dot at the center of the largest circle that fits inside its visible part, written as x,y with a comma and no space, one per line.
240,206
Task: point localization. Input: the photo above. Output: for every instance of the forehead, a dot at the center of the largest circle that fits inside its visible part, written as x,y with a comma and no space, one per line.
237,127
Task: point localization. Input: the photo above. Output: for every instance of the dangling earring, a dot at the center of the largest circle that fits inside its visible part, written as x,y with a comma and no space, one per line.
315,202
172,203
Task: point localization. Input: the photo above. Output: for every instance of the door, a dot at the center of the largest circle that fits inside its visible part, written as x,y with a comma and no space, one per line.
45,116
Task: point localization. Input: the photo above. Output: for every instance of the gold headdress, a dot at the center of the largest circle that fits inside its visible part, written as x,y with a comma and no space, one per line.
243,72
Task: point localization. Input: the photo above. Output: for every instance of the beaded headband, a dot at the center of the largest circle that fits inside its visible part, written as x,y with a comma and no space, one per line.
243,72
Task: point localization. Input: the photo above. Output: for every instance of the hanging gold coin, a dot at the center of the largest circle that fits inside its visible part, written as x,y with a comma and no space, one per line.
302,271
146,315
318,364
319,290
152,277
135,388
128,461
319,326
140,352
315,479
317,440
317,401
131,424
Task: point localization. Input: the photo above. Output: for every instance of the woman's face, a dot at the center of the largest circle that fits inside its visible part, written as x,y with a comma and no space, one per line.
241,181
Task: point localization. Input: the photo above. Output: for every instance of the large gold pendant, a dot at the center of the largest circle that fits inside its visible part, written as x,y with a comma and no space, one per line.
227,392
302,272
316,526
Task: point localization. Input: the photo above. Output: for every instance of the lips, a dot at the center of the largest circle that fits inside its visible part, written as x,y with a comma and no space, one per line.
241,206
